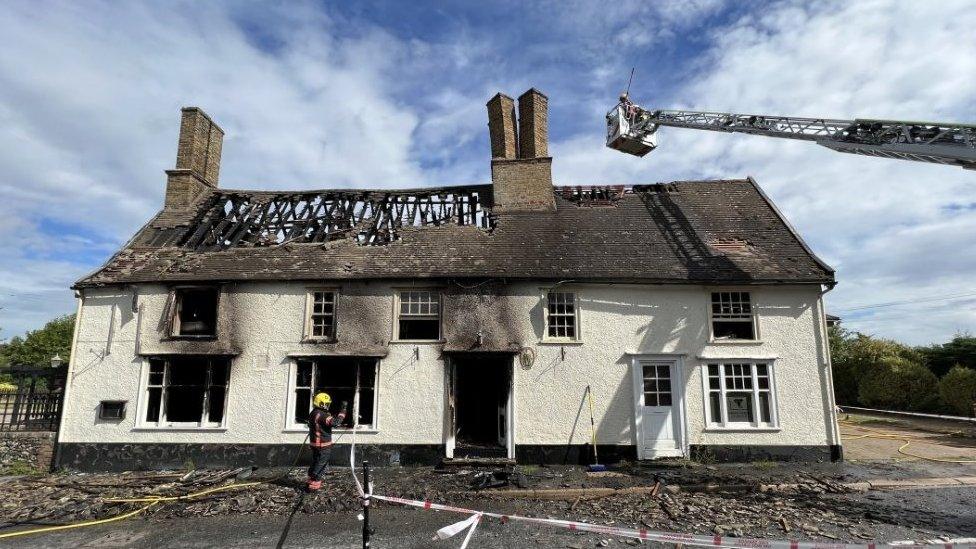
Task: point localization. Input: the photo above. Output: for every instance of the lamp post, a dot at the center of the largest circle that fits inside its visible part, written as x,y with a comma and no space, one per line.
56,361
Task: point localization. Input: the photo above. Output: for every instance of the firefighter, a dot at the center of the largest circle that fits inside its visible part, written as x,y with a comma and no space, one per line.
320,424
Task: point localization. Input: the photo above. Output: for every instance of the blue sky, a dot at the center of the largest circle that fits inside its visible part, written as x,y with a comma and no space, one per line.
392,94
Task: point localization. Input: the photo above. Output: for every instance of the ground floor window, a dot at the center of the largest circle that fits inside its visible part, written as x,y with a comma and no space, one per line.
348,379
741,394
187,391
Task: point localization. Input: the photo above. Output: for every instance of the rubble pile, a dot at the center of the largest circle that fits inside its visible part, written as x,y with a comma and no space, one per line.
789,514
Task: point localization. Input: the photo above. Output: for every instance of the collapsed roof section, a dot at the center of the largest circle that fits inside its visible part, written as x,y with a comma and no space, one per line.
246,219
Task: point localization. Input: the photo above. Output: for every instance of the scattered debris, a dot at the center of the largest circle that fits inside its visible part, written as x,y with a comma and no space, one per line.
498,478
800,504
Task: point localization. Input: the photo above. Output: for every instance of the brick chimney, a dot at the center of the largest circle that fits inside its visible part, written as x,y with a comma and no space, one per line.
197,159
521,170
501,126
533,124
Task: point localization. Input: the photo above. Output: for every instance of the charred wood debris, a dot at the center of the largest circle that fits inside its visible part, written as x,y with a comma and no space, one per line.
257,219
248,219
796,505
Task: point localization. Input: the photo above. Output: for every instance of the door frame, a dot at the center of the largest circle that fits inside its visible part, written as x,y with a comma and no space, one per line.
450,410
678,405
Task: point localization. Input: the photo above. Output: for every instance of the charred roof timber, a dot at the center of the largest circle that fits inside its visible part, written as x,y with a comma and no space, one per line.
243,219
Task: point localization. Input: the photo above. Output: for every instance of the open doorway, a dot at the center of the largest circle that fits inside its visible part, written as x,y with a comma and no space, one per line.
481,398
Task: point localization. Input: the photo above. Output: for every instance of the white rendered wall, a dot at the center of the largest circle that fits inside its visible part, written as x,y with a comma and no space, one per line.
264,322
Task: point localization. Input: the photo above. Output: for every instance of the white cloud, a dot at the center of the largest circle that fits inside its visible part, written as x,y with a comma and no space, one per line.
882,223
89,113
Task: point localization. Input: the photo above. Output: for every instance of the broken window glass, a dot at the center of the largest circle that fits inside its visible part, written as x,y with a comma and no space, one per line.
345,379
737,391
187,390
419,316
195,313
732,316
561,317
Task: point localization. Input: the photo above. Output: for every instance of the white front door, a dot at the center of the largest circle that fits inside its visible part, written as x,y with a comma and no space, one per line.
658,401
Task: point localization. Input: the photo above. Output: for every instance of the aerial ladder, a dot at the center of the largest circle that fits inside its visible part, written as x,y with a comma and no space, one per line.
631,129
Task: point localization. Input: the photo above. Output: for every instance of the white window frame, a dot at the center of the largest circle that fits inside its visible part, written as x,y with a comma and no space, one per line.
309,308
753,316
722,422
143,402
578,335
292,426
397,294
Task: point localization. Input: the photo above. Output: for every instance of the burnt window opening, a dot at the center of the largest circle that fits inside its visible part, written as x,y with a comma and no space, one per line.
236,219
194,312
111,410
562,316
419,317
732,316
187,391
321,321
345,379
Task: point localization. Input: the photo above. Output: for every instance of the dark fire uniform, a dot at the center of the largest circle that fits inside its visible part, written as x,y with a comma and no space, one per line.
320,423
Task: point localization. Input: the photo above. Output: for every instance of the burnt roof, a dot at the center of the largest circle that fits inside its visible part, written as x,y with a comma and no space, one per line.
724,231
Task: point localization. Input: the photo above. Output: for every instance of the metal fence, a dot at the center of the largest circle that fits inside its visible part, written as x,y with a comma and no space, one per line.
30,411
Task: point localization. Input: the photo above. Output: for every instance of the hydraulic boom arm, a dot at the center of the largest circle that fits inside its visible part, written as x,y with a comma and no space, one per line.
631,129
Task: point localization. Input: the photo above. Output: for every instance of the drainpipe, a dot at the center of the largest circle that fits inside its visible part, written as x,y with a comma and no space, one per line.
72,357
822,320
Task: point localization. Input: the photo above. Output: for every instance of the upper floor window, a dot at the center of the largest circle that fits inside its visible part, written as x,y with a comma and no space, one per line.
419,315
741,395
187,391
562,316
732,316
193,312
320,322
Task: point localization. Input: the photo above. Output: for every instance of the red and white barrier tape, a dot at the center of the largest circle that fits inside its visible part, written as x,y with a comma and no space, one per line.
642,534
673,537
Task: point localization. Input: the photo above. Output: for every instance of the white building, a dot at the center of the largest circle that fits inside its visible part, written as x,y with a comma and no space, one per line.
459,321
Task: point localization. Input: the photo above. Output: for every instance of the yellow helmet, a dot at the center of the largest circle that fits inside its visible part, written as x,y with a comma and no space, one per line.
322,400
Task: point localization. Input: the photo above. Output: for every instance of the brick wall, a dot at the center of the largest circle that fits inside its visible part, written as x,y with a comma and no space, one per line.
522,185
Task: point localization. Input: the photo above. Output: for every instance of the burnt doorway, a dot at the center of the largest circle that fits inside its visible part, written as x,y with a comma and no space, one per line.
482,405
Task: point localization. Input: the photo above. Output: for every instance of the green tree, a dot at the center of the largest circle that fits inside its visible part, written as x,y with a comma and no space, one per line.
958,389
846,378
898,383
940,358
38,346
855,355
